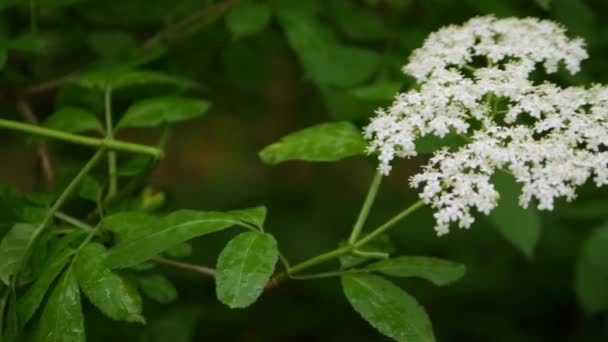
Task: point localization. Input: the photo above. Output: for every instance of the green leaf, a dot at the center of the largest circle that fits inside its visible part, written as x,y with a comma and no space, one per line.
111,294
90,189
143,77
182,250
382,91
157,287
590,210
28,43
112,45
62,319
135,166
591,280
247,18
387,308
521,227
13,249
142,236
430,143
28,304
356,21
255,215
325,60
545,4
325,142
162,110
73,120
439,272
244,267
3,57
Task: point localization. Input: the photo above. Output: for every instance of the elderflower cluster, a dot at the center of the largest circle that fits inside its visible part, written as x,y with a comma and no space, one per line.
474,82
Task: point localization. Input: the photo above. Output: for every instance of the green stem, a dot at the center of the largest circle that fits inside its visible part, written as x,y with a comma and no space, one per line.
110,144
74,222
367,204
322,275
389,224
338,252
112,175
370,255
57,205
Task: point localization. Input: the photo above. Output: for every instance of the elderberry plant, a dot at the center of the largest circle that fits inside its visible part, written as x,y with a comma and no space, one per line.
489,123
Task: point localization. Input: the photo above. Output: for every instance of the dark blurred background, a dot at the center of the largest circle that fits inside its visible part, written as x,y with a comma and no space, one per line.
263,87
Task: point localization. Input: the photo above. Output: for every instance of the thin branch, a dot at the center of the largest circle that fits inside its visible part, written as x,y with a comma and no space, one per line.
25,109
203,270
205,15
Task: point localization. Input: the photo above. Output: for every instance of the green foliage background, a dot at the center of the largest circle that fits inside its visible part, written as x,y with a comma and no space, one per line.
271,68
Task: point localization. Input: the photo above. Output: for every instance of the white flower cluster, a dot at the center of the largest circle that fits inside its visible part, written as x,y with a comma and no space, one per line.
551,139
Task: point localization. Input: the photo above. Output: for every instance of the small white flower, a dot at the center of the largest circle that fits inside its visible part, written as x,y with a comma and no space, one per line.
550,138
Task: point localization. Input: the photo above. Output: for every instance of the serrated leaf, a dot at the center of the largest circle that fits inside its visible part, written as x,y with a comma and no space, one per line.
28,303
247,18
62,319
13,249
591,282
387,308
157,287
73,120
521,227
162,110
244,267
110,293
142,236
28,43
325,142
439,272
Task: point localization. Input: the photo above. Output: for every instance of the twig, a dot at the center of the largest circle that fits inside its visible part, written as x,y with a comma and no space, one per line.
27,113
205,14
203,270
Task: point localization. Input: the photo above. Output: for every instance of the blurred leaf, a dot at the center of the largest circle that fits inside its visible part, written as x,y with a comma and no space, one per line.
591,280
247,18
382,91
13,249
387,308
244,267
325,60
157,287
28,43
57,3
430,143
134,166
438,271
62,319
111,294
175,325
545,4
142,236
255,215
519,226
90,189
112,45
589,210
162,110
356,21
73,120
182,250
10,3
325,142
11,208
30,301
144,77
3,57
151,199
